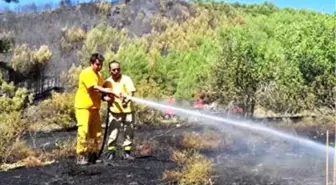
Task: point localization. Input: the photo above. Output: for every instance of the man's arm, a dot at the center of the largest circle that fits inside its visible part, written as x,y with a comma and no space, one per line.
91,83
103,90
107,97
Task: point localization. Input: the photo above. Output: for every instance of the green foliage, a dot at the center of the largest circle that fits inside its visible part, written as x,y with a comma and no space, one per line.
219,9
6,42
131,52
104,7
72,38
148,89
265,8
11,128
12,99
27,61
277,62
57,110
195,168
246,61
101,39
22,58
12,102
194,65
254,55
42,56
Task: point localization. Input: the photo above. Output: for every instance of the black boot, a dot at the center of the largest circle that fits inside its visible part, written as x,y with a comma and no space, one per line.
93,158
111,155
108,157
127,155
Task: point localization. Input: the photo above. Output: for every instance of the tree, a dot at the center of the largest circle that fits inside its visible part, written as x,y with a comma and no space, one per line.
5,44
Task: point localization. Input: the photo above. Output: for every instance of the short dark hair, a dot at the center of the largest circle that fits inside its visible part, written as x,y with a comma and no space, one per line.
96,56
113,62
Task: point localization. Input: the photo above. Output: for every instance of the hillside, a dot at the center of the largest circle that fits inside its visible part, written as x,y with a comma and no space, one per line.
277,49
45,28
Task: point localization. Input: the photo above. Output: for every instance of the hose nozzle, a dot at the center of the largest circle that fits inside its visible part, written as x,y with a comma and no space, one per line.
124,99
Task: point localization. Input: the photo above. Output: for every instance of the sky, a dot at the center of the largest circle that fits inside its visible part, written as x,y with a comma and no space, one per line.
325,6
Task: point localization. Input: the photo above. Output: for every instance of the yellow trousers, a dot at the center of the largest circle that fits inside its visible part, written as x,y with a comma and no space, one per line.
89,131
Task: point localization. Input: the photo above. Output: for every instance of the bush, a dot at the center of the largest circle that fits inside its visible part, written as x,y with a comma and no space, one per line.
101,39
11,128
6,41
208,140
72,38
195,168
28,61
13,125
148,90
58,110
13,99
42,55
104,7
22,59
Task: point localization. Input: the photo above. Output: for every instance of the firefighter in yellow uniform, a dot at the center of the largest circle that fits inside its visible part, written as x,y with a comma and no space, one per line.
121,113
87,105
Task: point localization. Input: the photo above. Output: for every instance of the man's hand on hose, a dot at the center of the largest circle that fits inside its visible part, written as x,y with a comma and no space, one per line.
108,98
125,99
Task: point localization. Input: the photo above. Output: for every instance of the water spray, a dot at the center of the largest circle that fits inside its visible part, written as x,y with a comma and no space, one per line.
239,123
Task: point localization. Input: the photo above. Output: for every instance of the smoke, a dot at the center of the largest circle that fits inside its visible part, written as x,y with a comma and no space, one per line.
260,149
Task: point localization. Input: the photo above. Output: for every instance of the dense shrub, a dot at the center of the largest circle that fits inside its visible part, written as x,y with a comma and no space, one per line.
72,38
11,128
6,41
195,168
29,61
58,110
13,125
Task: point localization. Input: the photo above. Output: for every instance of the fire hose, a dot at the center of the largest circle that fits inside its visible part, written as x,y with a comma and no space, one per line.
105,132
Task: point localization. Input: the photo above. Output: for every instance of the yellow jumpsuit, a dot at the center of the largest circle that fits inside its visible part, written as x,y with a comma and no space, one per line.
87,106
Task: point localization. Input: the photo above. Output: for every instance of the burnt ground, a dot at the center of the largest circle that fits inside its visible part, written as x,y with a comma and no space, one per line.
245,161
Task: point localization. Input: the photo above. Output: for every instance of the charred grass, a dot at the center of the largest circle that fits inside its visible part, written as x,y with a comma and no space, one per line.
22,155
